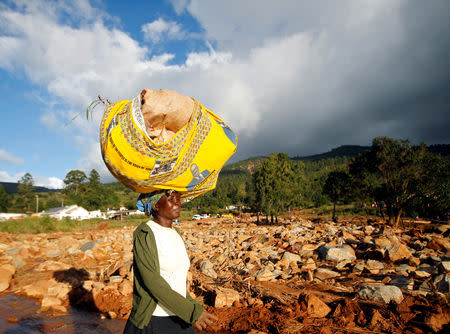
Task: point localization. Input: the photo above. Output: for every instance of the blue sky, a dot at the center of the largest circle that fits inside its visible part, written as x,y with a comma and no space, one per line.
300,77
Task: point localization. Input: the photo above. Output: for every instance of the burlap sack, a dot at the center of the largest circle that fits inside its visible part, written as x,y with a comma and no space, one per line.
165,113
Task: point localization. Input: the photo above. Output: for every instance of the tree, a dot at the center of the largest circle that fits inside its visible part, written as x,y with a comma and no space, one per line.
25,188
337,188
94,178
93,198
276,185
74,180
4,199
390,171
264,180
433,199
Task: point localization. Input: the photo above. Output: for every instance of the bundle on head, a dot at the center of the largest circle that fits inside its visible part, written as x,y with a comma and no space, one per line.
165,140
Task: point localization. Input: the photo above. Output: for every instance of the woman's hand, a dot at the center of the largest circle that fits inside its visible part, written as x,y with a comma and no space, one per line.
206,319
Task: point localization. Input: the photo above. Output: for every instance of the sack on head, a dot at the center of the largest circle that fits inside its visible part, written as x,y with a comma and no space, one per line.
164,140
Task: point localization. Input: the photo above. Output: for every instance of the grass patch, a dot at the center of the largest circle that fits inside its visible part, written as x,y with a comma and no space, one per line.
46,224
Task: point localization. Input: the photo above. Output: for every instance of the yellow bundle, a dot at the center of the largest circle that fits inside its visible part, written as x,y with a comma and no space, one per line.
189,162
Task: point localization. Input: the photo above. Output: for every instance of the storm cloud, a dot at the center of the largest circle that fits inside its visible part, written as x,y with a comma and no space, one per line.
327,73
300,77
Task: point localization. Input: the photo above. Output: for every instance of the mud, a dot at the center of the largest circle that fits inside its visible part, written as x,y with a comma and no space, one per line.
20,315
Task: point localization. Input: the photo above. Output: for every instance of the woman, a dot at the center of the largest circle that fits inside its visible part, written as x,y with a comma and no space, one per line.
161,303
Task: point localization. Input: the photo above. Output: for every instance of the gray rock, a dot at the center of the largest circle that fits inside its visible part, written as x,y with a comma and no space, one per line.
337,253
403,282
374,264
12,251
18,261
207,268
381,293
404,267
323,274
54,253
88,245
289,257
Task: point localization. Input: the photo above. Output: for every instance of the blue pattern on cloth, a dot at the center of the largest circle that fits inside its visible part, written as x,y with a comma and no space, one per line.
152,198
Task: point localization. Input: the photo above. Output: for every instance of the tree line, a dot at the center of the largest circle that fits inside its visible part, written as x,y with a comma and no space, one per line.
398,177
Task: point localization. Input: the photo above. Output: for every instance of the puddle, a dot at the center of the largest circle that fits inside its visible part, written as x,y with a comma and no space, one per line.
23,319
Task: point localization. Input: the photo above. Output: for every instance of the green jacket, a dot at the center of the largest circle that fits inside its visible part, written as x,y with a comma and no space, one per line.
149,287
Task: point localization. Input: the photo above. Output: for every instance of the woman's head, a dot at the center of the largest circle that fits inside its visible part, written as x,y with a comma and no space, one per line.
168,206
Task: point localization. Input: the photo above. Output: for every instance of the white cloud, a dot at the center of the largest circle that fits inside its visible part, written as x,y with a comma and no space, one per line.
6,177
48,182
9,158
308,75
161,29
179,5
41,181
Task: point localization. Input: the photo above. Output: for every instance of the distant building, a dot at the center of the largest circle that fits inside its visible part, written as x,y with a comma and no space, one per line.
72,212
10,216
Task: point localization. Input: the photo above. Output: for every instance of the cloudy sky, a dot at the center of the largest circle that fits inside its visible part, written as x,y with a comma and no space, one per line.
300,77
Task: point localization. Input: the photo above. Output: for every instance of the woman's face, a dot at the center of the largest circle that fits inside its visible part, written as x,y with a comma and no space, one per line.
169,205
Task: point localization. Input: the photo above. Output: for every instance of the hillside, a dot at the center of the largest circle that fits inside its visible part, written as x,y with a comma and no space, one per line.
11,188
252,164
341,151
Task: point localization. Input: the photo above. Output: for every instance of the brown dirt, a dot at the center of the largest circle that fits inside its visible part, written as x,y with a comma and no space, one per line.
347,315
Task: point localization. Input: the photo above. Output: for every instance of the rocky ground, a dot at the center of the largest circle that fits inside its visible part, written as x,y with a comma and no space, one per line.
300,276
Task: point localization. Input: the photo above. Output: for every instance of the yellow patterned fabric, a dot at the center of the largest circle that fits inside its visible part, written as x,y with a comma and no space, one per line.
189,162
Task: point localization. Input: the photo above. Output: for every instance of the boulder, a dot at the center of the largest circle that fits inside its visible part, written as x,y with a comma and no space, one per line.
207,268
403,282
126,287
313,305
9,268
444,266
323,274
337,253
374,266
439,244
6,273
397,251
88,245
37,289
381,293
309,265
265,274
225,297
442,283
289,257
368,229
59,290
48,302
